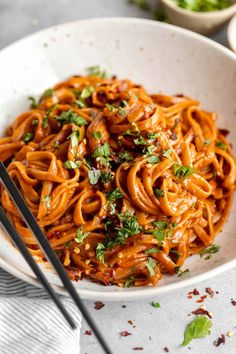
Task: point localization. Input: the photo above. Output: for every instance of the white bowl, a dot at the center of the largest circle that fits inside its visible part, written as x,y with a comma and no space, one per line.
201,22
159,56
232,34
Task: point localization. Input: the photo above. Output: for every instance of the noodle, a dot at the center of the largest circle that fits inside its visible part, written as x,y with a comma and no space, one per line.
125,185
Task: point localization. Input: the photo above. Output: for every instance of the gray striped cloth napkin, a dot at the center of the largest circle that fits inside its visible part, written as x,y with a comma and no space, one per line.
30,323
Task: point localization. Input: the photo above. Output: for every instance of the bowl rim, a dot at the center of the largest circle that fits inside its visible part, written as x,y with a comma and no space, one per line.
146,292
189,13
231,34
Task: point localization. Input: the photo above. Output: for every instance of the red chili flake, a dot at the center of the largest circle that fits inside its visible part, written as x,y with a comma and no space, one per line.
196,292
201,312
200,301
98,305
224,132
125,334
166,350
88,332
138,348
210,292
189,297
219,341
233,302
203,297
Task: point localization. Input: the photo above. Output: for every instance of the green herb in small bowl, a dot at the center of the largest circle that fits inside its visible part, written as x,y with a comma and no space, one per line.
203,5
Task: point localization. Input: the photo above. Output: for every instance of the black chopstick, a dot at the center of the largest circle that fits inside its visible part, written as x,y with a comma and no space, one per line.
34,266
48,251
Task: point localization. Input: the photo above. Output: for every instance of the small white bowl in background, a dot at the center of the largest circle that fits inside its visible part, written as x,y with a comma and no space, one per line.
202,22
232,34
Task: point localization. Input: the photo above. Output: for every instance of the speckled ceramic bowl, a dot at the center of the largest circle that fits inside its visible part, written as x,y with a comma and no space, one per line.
202,22
159,56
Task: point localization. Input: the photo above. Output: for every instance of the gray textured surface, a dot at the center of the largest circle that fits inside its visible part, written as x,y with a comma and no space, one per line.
155,328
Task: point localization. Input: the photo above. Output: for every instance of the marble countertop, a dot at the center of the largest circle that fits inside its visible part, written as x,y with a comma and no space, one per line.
152,329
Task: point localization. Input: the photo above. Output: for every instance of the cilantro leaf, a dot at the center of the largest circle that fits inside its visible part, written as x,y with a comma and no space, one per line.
70,116
74,136
167,153
80,235
209,250
152,250
87,92
33,103
100,249
200,327
47,93
182,171
151,265
221,145
156,305
28,137
159,192
106,177
129,281
113,195
94,176
71,164
153,159
97,135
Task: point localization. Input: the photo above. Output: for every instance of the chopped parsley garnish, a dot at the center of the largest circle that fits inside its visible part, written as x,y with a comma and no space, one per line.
209,251
121,112
96,71
221,145
149,150
80,235
80,103
151,266
28,137
167,153
71,164
129,281
200,327
110,107
152,136
33,103
74,136
156,305
214,174
87,92
113,195
100,252
182,171
140,141
70,116
48,93
180,272
159,192
94,176
106,177
163,229
126,156
34,122
151,250
47,201
153,159
97,135
102,153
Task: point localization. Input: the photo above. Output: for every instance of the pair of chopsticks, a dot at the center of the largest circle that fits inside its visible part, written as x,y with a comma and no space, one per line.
49,253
